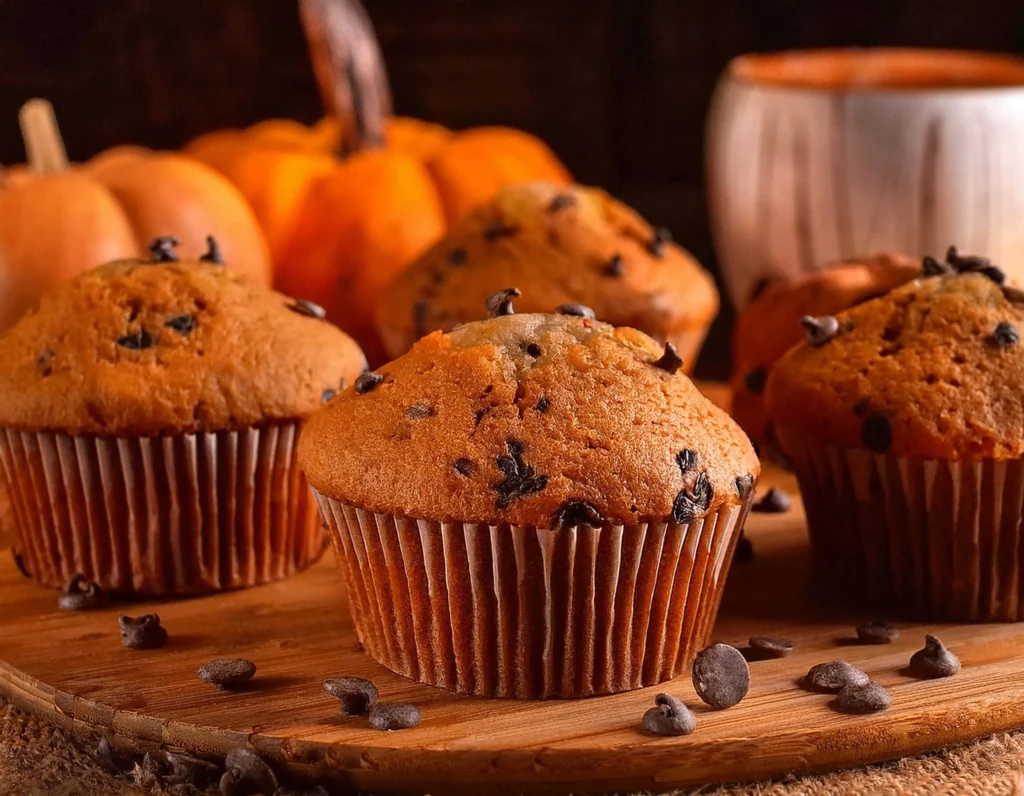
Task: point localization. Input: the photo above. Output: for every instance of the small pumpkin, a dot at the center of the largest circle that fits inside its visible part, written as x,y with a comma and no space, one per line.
57,220
348,203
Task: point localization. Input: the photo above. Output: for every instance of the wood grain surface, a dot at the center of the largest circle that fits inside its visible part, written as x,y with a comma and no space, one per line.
72,669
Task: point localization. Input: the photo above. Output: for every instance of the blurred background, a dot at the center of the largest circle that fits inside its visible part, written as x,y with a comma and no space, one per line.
619,88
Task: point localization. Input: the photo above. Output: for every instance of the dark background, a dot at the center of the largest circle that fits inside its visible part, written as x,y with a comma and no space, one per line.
619,88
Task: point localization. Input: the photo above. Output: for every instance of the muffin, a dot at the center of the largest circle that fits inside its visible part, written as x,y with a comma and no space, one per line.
770,325
559,245
902,420
148,421
533,505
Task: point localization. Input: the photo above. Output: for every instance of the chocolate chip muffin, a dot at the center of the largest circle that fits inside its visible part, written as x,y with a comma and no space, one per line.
770,325
148,420
543,504
560,246
902,419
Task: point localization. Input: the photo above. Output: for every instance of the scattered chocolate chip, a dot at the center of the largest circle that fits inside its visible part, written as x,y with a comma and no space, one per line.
967,263
721,676
500,303
670,717
531,349
139,341
393,716
142,633
656,245
161,250
775,501
368,381
670,361
767,647
876,433
327,395
542,405
744,550
19,562
520,480
932,267
578,310
182,324
44,362
689,505
833,676
561,202
755,380
464,466
744,483
419,411
457,257
877,633
308,308
246,774
686,459
934,660
1004,335
227,673
213,254
356,695
614,267
498,229
820,330
80,594
578,512
861,699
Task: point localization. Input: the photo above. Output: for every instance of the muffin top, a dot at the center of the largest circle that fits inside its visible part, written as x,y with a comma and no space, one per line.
559,245
770,325
542,420
932,370
157,347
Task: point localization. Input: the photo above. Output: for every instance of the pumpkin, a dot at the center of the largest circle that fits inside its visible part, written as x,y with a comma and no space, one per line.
348,203
57,220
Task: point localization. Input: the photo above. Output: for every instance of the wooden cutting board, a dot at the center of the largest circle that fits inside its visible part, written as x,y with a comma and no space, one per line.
72,668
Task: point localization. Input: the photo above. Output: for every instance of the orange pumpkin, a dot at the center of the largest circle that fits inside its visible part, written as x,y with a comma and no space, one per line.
348,203
57,220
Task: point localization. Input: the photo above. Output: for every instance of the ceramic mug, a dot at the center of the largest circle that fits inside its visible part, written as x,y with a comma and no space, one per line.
825,155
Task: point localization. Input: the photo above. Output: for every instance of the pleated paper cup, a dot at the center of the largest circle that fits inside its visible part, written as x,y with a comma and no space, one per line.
173,515
508,611
927,539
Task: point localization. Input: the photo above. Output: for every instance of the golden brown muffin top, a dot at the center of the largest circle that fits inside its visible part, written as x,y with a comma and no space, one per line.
149,348
559,245
537,420
932,370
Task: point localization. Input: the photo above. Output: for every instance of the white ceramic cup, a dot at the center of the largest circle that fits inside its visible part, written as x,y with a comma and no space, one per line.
820,156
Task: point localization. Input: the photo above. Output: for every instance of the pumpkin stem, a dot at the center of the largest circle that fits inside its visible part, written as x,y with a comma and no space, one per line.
43,144
349,70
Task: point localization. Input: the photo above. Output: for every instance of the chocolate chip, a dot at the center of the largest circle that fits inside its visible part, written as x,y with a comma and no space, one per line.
775,501
1013,295
246,774
561,202
934,660
686,459
671,717
656,245
833,676
542,405
498,229
1004,335
139,341
327,395
861,699
966,262
457,257
614,267
520,480
142,633
227,673
182,324
419,411
755,380
500,303
877,633
356,695
820,330
577,310
876,433
308,308
368,381
213,254
80,594
720,675
670,361
44,363
109,760
393,716
744,483
19,562
744,550
694,503
767,647
932,267
531,349
464,466
161,250
578,512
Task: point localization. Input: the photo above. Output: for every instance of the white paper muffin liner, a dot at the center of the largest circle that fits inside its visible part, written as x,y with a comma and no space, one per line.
172,515
507,611
927,539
